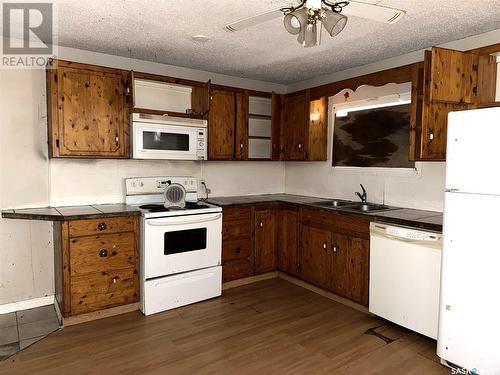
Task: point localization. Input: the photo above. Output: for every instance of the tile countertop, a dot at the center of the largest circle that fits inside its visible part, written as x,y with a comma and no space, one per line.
421,219
71,212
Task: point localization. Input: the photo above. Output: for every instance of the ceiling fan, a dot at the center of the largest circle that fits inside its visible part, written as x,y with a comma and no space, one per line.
304,18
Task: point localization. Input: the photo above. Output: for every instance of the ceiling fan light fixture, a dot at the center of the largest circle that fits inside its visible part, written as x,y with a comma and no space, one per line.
296,21
333,22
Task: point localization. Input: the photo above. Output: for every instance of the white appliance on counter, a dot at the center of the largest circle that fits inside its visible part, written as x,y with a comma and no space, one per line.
165,137
405,269
181,248
469,332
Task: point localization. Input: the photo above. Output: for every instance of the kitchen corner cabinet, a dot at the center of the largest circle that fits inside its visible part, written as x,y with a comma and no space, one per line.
96,264
447,81
265,240
304,127
88,110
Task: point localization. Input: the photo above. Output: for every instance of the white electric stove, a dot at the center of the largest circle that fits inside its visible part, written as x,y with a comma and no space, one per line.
181,248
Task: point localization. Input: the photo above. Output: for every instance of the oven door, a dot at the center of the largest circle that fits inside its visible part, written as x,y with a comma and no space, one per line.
164,141
178,244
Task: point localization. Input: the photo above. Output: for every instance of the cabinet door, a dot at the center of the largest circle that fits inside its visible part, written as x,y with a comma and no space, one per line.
338,278
358,270
88,111
265,241
317,130
315,258
276,120
221,125
454,76
241,146
288,241
294,127
350,267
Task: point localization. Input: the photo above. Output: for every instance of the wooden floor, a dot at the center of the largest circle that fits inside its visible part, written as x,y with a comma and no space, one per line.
269,327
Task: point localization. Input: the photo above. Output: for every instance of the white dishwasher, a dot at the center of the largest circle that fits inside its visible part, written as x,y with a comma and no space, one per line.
405,269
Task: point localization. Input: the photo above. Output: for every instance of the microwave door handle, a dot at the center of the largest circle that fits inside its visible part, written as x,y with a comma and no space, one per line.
182,222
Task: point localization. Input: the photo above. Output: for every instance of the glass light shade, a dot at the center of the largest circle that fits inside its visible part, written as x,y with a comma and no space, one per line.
296,21
308,36
333,22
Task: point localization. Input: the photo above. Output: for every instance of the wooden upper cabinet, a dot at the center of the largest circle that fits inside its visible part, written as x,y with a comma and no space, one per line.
277,102
304,127
241,144
265,241
453,76
296,116
88,109
446,81
221,125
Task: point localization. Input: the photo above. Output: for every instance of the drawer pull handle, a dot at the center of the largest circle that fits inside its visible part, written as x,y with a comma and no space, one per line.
115,279
103,253
237,250
101,226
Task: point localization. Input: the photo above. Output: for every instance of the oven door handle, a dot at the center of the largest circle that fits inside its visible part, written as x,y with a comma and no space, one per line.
195,220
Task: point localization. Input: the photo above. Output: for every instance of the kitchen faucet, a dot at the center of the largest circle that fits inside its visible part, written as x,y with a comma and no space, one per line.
362,196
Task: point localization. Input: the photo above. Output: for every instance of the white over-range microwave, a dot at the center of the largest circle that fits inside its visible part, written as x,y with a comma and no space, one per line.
165,137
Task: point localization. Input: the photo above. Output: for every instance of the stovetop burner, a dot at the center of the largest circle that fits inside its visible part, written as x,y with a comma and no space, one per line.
161,208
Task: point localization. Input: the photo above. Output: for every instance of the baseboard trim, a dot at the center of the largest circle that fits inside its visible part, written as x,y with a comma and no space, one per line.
322,292
249,280
82,318
26,304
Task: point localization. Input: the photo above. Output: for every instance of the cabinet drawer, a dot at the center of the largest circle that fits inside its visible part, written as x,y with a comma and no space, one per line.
237,213
236,249
102,253
236,228
237,269
336,221
78,228
103,289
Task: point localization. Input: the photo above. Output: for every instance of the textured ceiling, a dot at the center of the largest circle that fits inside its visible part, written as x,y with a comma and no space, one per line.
161,31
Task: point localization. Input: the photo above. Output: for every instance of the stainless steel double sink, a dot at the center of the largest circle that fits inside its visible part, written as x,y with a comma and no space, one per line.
345,205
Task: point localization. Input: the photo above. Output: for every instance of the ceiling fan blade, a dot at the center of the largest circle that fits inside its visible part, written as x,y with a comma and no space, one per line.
252,21
373,12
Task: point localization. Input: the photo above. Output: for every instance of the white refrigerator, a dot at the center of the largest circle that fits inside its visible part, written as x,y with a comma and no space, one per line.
469,312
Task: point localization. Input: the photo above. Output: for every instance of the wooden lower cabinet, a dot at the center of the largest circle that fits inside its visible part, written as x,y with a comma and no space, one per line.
349,272
96,264
288,240
325,248
315,259
237,244
265,241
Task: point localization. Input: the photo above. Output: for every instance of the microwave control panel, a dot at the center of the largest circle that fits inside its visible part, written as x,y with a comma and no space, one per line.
201,144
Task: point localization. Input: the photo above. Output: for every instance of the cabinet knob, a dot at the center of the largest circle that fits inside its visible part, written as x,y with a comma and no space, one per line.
115,279
325,245
103,253
335,249
241,145
431,136
101,226
299,145
261,224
